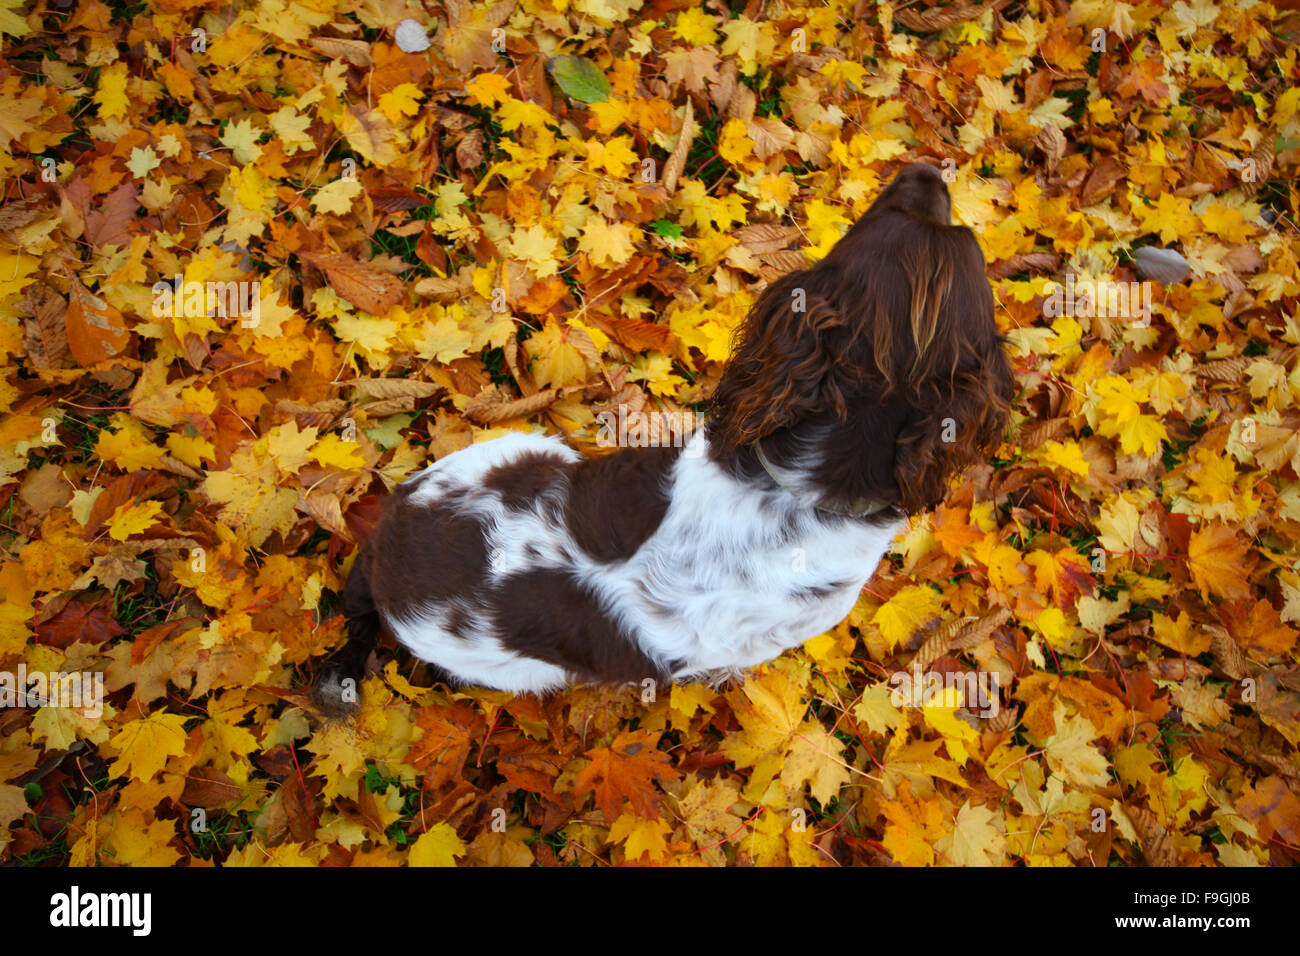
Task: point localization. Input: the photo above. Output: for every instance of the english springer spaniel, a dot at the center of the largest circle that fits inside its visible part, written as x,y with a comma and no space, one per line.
858,388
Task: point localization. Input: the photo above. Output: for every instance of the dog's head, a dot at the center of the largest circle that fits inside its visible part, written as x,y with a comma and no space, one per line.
887,345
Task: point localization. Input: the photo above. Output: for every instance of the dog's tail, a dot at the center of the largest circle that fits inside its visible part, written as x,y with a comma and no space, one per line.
337,687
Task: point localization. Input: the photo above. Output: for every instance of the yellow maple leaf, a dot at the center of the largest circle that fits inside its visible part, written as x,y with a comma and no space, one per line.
251,502
291,127
977,838
876,709
191,449
143,161
910,827
439,846
1070,752
291,446
135,840
489,89
130,448
513,114
336,196
615,157
144,745
1067,455
941,714
242,138
555,361
1220,562
696,26
606,244
656,370
401,101
333,452
641,837
535,246
132,518
814,758
911,608
111,92
10,22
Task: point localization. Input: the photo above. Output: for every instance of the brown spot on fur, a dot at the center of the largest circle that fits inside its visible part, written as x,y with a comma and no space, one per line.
616,502
550,616
519,482
423,553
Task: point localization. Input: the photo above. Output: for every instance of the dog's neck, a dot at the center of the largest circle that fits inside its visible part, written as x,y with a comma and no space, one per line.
801,462
794,481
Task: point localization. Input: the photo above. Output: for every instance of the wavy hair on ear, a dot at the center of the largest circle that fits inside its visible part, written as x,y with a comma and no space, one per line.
886,349
788,363
959,379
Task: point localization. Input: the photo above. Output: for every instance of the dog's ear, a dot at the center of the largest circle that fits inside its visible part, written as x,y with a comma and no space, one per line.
956,376
788,364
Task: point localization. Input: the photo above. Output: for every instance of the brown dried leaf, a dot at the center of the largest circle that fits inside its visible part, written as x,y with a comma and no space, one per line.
356,52
677,160
366,287
95,330
940,18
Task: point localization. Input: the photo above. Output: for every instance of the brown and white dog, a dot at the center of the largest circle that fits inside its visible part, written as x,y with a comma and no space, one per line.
859,387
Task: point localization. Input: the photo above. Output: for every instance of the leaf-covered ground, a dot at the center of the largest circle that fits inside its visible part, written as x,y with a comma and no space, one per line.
557,207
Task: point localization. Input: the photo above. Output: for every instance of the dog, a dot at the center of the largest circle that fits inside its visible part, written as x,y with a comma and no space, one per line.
858,388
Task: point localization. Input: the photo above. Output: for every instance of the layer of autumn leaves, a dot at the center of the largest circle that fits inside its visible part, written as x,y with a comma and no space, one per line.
447,245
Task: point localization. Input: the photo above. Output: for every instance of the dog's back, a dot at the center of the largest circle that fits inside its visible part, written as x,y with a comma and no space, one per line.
488,564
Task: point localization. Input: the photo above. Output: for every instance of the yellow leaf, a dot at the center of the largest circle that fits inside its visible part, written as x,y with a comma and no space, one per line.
1067,455
403,100
438,847
143,161
555,361
876,709
191,449
941,714
111,93
815,759
905,612
608,245
144,745
977,838
615,157
129,519
136,841
129,449
489,89
291,447
242,138
696,26
336,196
13,24
333,452
641,837
536,247
1070,752
1220,562
251,503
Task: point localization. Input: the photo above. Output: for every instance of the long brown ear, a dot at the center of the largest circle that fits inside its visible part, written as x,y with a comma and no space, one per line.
960,382
788,363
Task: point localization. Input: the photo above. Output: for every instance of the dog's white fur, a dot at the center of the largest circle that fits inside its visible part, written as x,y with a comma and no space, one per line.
712,586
